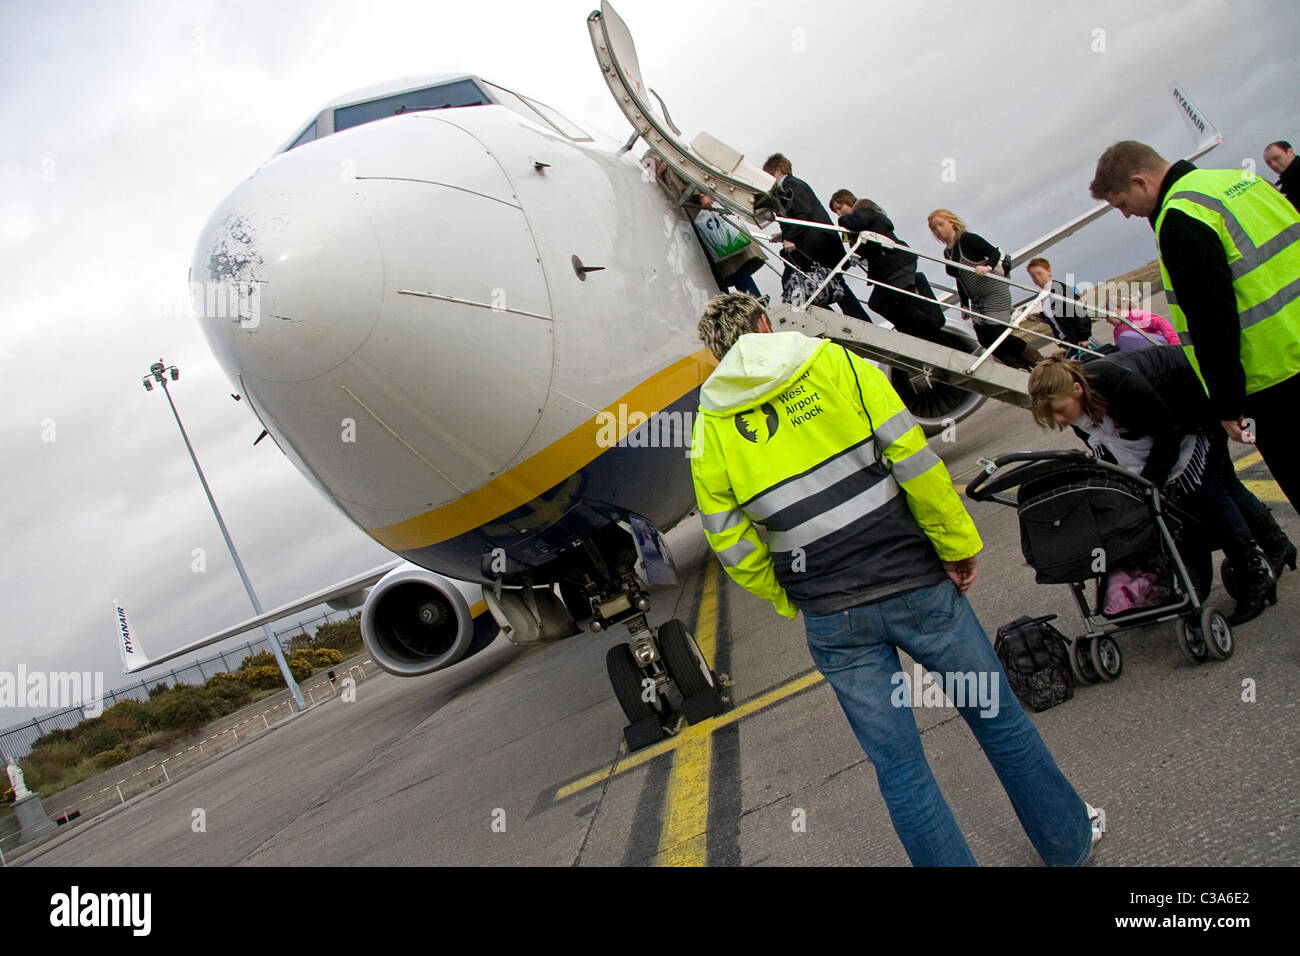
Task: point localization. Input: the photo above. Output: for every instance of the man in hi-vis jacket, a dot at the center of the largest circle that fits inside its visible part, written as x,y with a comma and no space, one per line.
866,536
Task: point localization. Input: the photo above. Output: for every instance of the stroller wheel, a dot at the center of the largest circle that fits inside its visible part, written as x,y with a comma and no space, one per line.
1229,579
1219,642
1190,642
1081,661
1106,658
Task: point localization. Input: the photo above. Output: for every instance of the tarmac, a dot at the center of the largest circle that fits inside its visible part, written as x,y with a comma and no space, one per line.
513,757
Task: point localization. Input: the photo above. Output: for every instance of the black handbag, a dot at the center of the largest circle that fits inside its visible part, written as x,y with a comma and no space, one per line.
800,282
1036,659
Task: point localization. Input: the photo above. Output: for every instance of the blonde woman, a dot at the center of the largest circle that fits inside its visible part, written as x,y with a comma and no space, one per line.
977,291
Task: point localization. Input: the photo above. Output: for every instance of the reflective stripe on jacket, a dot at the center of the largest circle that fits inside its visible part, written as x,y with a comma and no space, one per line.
810,442
1260,232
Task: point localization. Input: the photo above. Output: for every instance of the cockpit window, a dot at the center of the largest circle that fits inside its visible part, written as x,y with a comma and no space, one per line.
535,111
307,136
565,127
459,93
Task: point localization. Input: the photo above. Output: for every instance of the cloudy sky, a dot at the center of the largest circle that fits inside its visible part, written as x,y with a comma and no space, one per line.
126,123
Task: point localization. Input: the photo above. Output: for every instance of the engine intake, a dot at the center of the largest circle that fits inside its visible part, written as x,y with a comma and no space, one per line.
417,621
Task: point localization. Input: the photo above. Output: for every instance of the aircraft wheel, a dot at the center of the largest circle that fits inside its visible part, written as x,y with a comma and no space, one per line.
683,660
626,678
934,407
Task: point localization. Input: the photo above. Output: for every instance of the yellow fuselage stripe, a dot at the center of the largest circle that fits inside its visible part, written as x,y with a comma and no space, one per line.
548,467
684,838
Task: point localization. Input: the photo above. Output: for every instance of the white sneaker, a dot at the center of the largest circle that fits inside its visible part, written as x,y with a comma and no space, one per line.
1096,817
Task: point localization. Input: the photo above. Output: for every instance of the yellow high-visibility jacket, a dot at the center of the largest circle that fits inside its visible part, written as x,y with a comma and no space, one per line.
811,442
1260,232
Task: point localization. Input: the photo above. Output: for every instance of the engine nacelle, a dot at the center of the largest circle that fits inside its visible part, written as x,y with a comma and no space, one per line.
416,621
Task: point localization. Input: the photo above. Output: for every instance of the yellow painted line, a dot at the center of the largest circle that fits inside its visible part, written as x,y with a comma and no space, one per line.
682,841
550,466
1254,458
1265,490
763,701
706,621
684,838
478,609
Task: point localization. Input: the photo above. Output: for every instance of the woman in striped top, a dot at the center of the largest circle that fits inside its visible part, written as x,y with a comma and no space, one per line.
978,291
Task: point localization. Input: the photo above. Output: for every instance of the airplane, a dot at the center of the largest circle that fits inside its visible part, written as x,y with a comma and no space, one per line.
471,325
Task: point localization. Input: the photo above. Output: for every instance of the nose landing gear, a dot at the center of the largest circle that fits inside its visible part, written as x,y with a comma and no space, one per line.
642,672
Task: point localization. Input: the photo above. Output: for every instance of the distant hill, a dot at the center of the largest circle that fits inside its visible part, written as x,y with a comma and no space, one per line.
1146,277
1147,273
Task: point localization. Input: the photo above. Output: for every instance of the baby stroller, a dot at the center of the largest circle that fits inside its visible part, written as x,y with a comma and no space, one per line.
1082,519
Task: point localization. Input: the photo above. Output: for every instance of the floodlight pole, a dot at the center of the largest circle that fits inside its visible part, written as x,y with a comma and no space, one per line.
160,374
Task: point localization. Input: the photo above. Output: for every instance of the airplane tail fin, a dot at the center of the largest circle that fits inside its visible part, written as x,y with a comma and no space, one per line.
1204,133
133,656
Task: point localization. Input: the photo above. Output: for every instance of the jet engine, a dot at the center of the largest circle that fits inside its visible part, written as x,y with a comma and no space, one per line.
416,621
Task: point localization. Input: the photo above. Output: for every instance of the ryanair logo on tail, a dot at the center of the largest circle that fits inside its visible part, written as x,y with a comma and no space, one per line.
133,655
1189,110
125,628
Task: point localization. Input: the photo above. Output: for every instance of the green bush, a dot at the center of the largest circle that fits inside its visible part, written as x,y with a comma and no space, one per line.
99,739
127,717
326,656
301,660
224,678
227,696
343,636
184,709
56,736
110,758
49,761
162,740
264,677
260,659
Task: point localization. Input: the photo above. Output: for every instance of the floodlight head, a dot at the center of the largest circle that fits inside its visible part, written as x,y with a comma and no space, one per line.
176,373
148,385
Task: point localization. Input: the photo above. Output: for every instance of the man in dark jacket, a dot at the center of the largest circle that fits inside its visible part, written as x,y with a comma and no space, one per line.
1230,265
1280,158
820,246
890,267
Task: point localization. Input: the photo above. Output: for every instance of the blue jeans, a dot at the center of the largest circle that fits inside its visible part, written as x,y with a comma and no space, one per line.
857,651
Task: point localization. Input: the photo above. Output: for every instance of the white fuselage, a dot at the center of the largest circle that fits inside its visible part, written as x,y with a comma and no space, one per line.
399,304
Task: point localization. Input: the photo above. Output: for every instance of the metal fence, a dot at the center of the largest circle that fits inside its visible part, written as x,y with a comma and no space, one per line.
17,741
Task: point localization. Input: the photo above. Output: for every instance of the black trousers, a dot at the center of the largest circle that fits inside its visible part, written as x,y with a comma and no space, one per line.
913,316
1013,350
1274,411
850,305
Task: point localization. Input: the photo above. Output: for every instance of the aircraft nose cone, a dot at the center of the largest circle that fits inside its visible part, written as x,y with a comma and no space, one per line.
288,282
378,294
